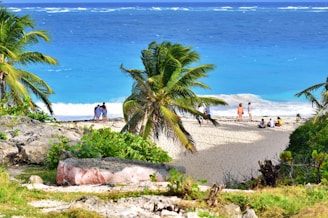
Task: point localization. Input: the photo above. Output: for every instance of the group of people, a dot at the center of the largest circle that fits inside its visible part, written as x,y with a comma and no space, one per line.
100,111
240,111
203,109
271,123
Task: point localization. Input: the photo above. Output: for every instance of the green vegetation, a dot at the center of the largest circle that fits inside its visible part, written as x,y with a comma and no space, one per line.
306,157
285,201
22,110
163,89
18,85
14,199
184,186
305,160
107,143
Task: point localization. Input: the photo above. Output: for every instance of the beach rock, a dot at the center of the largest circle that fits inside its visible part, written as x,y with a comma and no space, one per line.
74,171
233,210
28,140
144,206
249,213
7,152
34,179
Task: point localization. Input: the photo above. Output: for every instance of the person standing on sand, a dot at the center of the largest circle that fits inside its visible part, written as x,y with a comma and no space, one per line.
240,112
97,113
104,112
208,112
249,111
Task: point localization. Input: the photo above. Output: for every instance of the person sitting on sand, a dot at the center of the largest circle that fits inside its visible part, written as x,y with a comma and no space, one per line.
279,122
262,124
271,123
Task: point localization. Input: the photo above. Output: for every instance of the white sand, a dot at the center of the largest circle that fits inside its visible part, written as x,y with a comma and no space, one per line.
228,152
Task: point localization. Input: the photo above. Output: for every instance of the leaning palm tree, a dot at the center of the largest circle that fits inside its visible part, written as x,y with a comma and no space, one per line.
321,105
163,89
18,85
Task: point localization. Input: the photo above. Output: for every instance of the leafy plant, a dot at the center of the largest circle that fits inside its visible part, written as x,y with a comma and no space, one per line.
128,146
53,155
106,143
183,186
41,116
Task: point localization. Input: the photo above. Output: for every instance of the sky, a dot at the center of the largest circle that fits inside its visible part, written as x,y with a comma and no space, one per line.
72,1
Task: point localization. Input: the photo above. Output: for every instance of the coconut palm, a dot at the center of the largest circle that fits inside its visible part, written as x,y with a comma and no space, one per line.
321,105
163,89
18,85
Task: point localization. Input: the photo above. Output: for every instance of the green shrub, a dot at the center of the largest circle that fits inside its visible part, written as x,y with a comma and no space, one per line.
128,146
107,143
41,116
183,186
53,155
306,156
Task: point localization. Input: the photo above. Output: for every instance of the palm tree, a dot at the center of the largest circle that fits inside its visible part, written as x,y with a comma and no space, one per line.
321,105
163,89
17,85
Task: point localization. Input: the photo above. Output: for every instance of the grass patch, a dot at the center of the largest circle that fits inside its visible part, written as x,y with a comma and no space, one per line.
48,176
281,201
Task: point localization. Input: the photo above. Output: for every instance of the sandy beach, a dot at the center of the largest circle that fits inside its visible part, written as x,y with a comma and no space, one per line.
228,152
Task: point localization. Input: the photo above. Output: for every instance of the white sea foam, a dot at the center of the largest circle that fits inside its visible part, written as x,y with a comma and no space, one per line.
260,107
295,8
58,10
14,9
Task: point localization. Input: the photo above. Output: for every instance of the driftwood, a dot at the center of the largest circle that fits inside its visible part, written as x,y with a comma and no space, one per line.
270,173
215,190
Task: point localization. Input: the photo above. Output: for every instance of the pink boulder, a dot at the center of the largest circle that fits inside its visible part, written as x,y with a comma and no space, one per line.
74,171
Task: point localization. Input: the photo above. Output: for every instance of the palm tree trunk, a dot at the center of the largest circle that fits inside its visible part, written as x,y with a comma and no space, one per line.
143,124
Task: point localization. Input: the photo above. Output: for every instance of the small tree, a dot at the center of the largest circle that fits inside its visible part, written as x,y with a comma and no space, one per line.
163,89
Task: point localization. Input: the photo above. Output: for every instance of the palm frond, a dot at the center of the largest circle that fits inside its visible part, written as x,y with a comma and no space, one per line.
180,132
309,89
36,57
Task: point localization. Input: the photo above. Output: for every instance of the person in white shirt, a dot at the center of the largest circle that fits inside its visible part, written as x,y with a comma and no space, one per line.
271,123
249,111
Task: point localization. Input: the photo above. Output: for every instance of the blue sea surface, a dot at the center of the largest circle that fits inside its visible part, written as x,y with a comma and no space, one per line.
263,52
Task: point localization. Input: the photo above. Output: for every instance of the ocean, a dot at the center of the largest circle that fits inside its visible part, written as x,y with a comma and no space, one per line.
264,53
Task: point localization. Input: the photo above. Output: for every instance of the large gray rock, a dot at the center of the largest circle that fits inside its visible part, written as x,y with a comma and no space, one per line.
74,171
28,140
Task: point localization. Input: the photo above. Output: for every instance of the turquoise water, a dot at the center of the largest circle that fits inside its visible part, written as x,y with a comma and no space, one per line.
264,53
